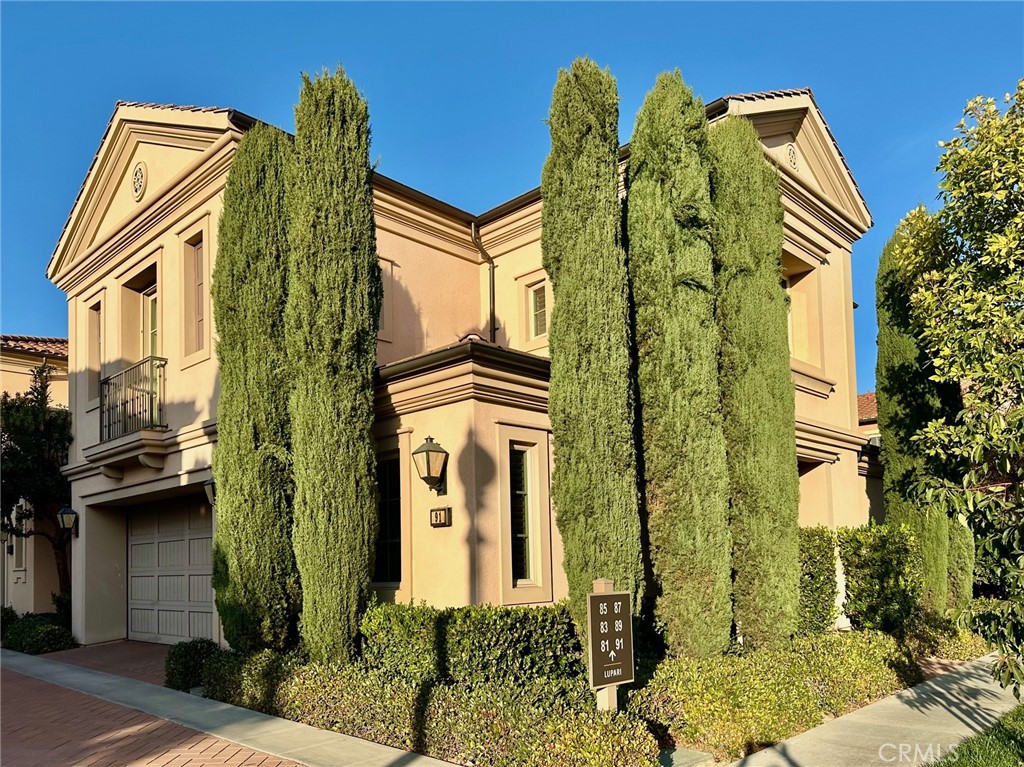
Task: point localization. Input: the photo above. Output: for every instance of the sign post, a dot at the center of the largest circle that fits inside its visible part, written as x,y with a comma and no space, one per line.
610,635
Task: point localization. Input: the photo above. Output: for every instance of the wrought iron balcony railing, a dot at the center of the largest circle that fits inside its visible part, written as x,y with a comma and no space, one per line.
132,400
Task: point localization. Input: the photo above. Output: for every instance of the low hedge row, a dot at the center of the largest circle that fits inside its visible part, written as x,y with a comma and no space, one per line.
737,704
183,668
36,634
541,723
472,645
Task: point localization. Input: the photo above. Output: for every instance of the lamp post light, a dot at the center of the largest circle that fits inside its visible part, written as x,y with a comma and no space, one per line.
67,518
430,459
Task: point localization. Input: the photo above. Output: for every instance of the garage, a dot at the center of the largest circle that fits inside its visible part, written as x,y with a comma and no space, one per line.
170,564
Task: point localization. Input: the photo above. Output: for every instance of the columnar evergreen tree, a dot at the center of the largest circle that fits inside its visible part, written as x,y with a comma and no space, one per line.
594,484
670,267
334,298
960,580
907,400
757,393
257,585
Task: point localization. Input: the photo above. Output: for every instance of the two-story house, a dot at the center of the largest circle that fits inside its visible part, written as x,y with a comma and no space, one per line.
462,358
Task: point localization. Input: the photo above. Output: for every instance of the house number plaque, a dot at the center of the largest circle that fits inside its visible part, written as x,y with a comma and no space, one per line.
609,618
441,517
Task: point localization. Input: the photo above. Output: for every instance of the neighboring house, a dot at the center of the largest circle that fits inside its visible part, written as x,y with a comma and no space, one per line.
462,358
29,574
870,459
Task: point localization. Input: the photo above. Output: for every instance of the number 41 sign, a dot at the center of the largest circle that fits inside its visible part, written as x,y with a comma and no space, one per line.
611,635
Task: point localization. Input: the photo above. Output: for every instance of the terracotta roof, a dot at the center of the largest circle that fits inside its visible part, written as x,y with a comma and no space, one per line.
762,95
867,408
47,346
179,107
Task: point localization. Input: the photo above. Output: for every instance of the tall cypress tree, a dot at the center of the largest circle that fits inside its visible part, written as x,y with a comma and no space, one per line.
670,267
907,400
594,483
758,407
255,578
334,298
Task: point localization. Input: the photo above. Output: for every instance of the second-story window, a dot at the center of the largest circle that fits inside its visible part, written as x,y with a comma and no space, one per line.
150,323
95,350
195,298
538,309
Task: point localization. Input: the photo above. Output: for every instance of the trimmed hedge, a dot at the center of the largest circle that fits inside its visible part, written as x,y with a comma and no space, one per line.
474,645
62,609
737,704
883,576
931,635
183,668
8,617
37,634
818,587
960,563
544,723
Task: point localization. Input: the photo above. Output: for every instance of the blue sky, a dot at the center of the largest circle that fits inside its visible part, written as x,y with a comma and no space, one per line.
459,92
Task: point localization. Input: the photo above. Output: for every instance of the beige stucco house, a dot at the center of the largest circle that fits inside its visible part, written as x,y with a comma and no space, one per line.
462,358
29,575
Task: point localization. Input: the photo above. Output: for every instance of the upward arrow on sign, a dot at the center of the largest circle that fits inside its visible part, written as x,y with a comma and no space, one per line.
612,655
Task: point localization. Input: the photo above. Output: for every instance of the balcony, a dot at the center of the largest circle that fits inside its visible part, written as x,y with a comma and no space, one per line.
132,422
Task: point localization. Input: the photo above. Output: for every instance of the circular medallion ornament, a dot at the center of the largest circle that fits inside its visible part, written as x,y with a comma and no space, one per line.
139,180
791,151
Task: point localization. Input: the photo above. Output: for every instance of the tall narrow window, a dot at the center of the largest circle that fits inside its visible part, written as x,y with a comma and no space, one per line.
538,310
387,566
19,548
95,349
519,503
195,295
150,323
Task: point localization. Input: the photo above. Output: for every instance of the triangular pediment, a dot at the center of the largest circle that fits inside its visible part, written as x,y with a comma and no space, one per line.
795,135
144,149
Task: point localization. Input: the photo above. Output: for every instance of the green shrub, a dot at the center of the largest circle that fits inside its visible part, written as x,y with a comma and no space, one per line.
8,617
960,561
931,634
222,676
512,644
250,681
736,704
818,587
36,634
472,644
883,576
62,609
183,668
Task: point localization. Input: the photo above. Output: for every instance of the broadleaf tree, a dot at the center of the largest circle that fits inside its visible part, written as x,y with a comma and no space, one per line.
255,578
758,398
966,262
331,321
670,266
594,482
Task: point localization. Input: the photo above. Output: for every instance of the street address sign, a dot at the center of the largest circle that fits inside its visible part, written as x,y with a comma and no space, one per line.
611,638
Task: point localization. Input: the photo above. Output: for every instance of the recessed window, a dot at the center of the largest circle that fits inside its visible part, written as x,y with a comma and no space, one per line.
19,547
801,282
387,566
195,295
538,310
94,331
519,505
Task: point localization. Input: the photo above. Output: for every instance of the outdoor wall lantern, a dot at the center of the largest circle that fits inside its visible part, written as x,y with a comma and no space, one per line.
430,459
210,488
4,537
67,518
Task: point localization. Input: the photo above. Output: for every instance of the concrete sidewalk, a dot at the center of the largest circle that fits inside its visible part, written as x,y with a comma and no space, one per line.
912,727
280,737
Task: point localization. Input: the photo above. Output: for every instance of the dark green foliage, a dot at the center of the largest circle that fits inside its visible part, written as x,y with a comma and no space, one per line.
907,400
733,705
929,634
670,269
333,310
474,645
960,561
818,587
256,581
594,483
183,667
758,406
8,617
36,634
62,607
882,565
539,723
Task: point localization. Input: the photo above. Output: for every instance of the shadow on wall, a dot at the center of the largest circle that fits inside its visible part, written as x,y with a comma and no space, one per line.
478,474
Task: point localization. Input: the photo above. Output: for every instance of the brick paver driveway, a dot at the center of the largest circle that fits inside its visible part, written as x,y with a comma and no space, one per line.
42,724
137,660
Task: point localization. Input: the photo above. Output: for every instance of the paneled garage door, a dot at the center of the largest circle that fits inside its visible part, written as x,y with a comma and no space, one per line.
170,597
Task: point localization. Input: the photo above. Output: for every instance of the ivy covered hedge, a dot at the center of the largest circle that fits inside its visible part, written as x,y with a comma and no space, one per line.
735,704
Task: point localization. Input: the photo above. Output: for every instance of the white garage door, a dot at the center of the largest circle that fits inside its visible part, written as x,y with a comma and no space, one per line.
170,598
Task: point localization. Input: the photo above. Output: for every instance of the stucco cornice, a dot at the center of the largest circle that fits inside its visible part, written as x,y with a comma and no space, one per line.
822,434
